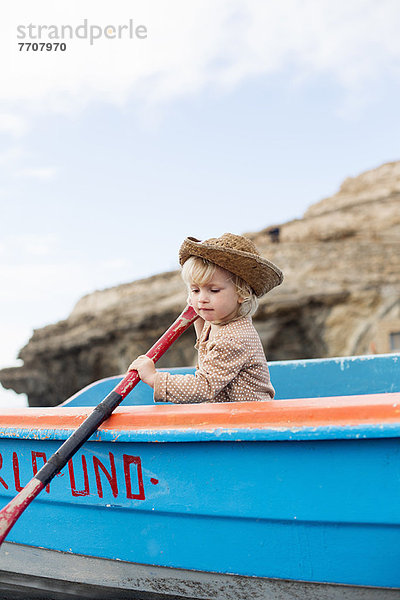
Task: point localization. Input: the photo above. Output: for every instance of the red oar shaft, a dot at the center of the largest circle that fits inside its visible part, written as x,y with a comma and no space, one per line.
12,511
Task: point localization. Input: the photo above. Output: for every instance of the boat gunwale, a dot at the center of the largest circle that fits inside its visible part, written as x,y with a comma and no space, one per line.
358,416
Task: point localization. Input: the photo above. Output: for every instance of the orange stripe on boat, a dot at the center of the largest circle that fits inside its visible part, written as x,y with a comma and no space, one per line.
309,412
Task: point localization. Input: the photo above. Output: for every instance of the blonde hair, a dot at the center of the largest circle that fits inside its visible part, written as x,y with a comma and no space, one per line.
199,271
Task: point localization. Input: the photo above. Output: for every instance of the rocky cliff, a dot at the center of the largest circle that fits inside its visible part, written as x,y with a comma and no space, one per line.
341,296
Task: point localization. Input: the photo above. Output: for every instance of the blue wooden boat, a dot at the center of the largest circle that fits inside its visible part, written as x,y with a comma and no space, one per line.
294,498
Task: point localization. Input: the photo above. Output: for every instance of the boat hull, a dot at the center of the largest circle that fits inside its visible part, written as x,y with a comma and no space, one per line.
323,510
295,493
38,573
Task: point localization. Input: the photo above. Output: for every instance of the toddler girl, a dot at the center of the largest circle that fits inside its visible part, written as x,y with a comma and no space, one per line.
225,276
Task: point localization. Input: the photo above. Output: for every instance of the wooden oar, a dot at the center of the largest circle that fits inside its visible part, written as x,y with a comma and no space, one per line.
13,510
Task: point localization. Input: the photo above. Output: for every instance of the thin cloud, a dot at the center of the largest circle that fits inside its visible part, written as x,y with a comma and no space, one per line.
13,125
11,156
26,246
194,45
40,173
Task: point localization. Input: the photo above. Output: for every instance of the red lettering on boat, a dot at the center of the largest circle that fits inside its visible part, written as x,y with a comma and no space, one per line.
128,460
18,486
112,478
80,474
74,491
35,456
1,479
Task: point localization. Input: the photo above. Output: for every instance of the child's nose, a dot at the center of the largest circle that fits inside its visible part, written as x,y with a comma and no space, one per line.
203,296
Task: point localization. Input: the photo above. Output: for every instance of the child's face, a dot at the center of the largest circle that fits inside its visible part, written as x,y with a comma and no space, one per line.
217,300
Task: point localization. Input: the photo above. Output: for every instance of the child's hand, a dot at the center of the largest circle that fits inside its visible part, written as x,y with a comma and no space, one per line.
146,369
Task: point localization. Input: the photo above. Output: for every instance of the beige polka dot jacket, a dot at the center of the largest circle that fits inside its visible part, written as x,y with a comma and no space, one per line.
231,368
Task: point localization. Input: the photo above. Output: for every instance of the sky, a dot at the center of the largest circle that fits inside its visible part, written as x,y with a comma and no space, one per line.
161,120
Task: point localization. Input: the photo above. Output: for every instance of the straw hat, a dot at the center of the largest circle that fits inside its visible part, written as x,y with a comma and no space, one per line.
238,255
